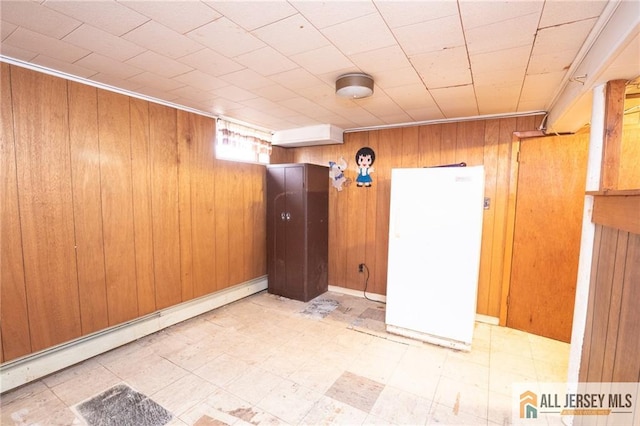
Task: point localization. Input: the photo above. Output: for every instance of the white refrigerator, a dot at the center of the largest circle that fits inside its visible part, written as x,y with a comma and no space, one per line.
435,232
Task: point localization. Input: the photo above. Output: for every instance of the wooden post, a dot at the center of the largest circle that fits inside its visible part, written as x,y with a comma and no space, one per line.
612,137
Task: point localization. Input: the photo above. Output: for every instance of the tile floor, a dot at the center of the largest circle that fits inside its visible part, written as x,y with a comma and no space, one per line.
271,360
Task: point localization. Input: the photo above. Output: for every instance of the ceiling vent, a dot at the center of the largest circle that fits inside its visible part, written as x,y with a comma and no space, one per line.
322,134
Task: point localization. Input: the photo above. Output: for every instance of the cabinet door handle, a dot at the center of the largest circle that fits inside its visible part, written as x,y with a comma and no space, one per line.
288,216
283,216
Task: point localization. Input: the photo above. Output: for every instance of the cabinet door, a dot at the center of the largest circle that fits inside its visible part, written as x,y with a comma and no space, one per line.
276,235
295,232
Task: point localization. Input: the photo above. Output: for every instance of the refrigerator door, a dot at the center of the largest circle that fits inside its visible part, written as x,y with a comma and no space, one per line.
435,231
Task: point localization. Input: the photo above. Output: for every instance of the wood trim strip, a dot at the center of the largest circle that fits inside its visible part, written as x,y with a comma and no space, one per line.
618,211
612,148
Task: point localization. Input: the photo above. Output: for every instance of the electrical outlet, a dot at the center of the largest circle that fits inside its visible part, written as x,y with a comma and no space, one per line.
361,267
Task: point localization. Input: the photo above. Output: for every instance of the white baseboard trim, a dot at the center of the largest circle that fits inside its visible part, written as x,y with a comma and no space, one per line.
35,366
487,319
358,293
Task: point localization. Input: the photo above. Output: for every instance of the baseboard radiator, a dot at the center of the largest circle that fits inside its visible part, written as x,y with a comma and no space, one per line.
35,366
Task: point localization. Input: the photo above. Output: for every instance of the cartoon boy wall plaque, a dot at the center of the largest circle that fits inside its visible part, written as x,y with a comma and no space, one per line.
364,159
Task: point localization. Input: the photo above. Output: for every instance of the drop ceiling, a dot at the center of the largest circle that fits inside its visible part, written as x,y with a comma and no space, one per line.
273,64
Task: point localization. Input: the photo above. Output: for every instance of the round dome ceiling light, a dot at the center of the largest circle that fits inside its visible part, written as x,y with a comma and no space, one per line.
354,85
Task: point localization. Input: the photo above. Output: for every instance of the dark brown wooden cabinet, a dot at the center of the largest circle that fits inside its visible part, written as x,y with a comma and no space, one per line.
297,230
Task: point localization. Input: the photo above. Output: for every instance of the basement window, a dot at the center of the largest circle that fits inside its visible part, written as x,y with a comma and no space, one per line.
237,142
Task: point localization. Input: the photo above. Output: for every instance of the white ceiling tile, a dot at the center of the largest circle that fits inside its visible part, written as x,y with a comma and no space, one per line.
158,64
362,34
497,98
398,77
115,82
430,36
109,66
537,88
226,37
99,41
155,81
400,13
6,29
180,16
563,37
38,18
295,79
17,52
412,96
109,16
300,104
65,67
476,14
453,101
253,14
381,60
154,92
191,93
235,93
323,60
201,80
515,59
327,13
38,43
272,108
291,35
443,68
425,113
247,78
266,61
173,44
556,47
380,104
275,93
562,11
211,62
512,33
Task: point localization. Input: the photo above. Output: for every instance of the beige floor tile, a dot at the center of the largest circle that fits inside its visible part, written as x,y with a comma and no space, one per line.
228,404
499,409
289,401
509,362
25,392
502,381
398,407
73,372
192,356
254,384
184,394
445,415
357,391
283,363
42,408
85,386
152,378
462,397
316,375
222,370
419,381
463,371
328,411
374,367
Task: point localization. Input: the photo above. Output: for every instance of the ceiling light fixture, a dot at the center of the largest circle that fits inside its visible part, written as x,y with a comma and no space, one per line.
354,85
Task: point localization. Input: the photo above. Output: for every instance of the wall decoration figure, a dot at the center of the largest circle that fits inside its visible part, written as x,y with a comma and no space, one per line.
336,174
364,159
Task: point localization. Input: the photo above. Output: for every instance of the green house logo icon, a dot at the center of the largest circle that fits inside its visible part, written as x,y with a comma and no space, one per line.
528,405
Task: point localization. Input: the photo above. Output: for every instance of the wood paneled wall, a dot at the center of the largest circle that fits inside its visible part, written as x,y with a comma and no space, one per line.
359,217
612,333
112,208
